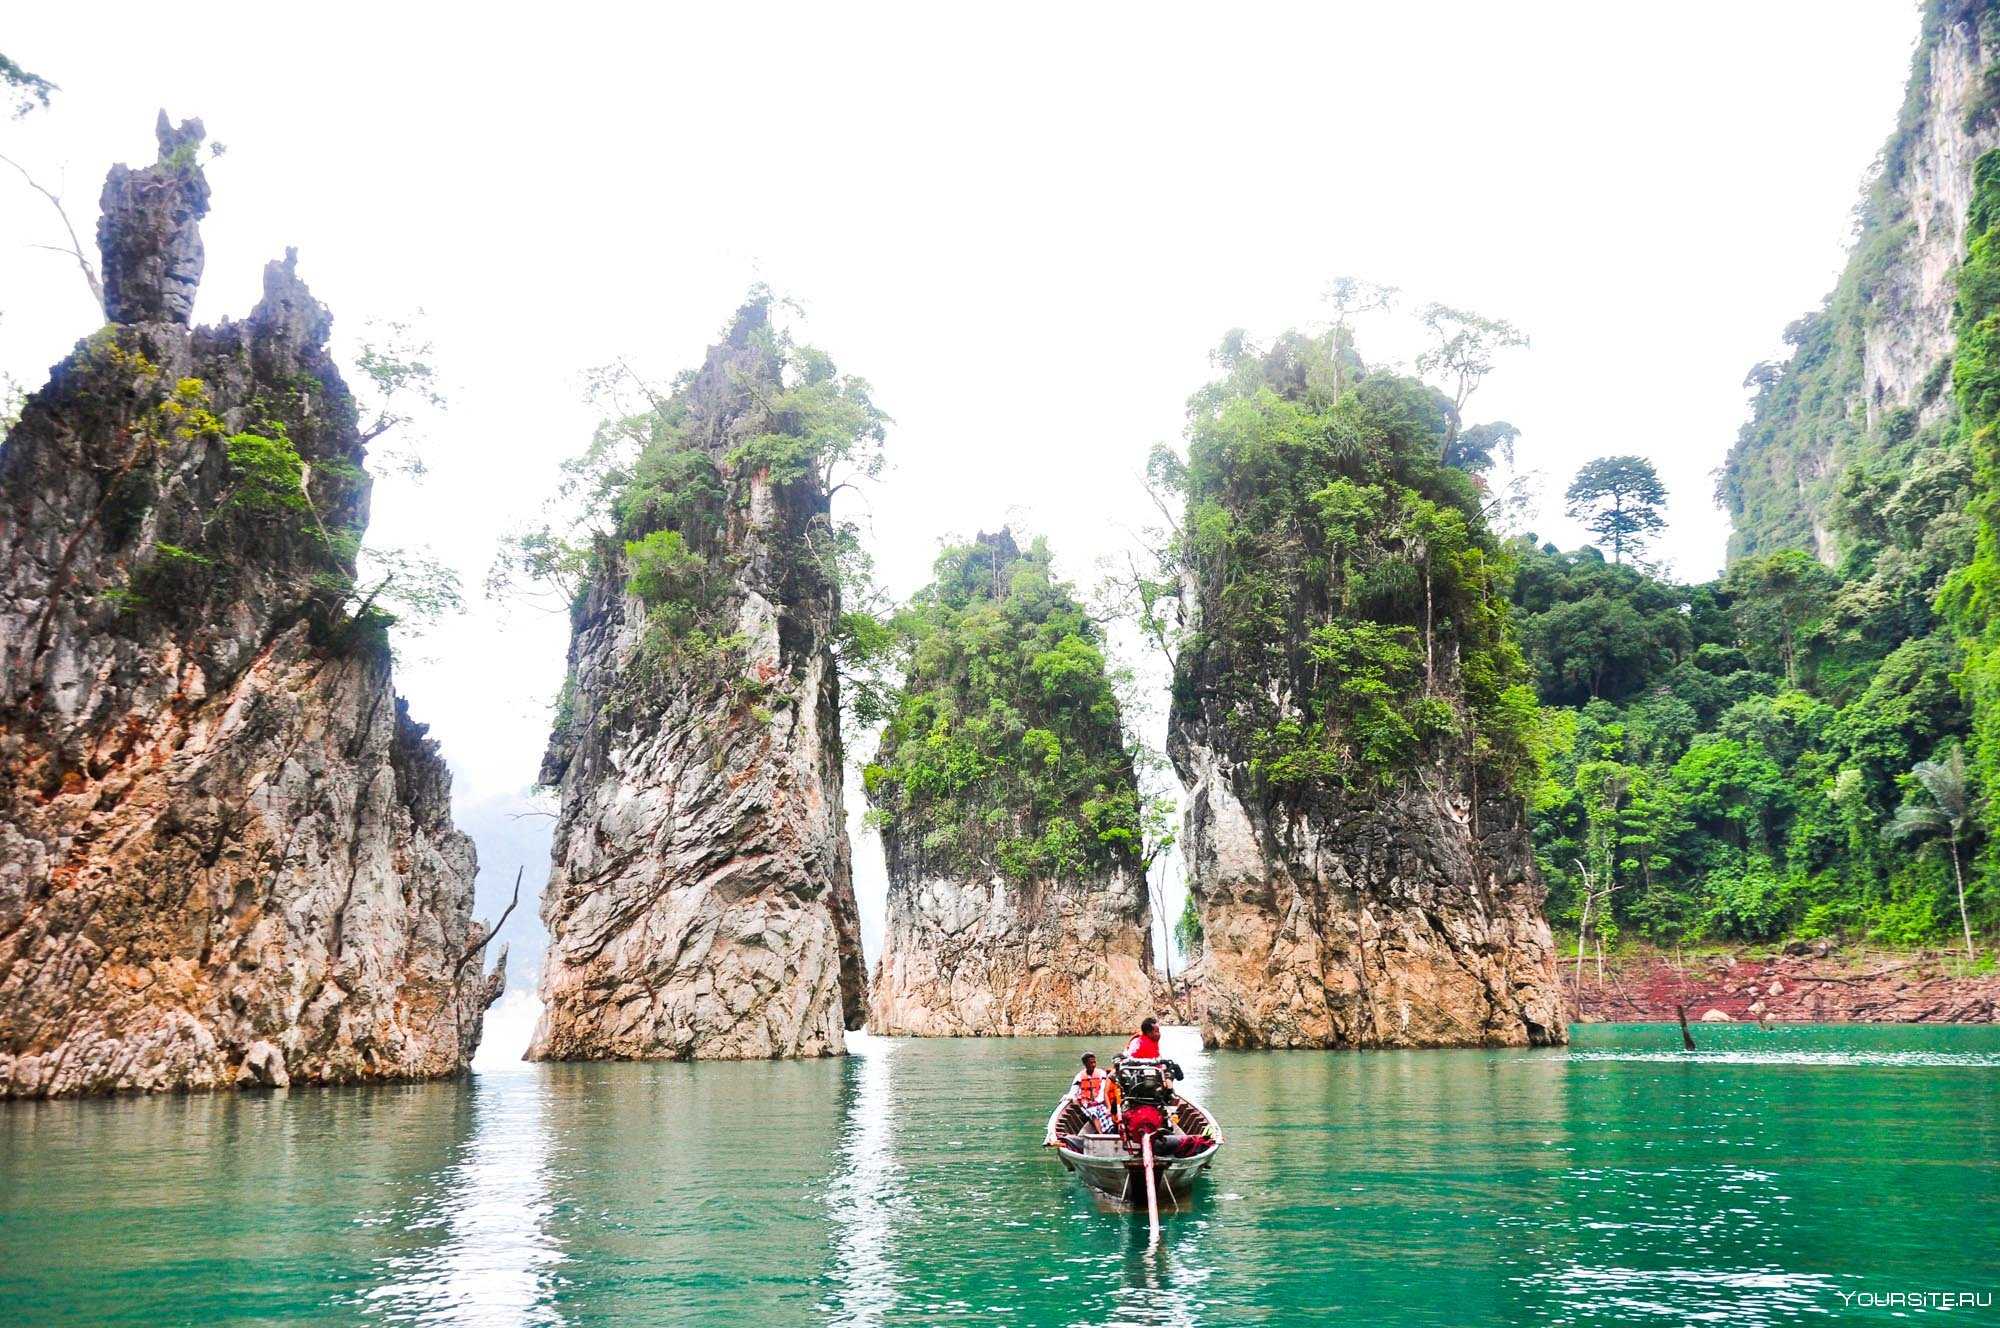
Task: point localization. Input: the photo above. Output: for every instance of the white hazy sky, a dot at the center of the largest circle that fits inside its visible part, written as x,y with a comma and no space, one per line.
1026,225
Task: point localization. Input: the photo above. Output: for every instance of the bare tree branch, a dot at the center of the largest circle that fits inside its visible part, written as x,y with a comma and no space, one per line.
495,930
75,249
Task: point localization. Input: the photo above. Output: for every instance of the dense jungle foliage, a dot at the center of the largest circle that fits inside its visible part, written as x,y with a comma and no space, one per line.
1352,612
1721,783
1784,752
1778,753
1004,753
1971,595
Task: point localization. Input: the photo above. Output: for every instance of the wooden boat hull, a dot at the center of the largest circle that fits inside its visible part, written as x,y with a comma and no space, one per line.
1105,1166
1125,1178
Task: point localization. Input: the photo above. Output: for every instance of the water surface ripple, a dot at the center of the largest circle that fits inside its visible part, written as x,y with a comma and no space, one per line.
1756,1182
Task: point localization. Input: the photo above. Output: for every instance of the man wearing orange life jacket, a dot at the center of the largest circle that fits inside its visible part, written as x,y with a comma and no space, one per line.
1097,1093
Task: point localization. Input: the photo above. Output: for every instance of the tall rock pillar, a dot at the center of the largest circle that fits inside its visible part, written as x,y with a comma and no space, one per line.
226,850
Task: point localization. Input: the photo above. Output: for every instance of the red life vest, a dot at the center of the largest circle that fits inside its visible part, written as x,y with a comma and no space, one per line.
1143,1047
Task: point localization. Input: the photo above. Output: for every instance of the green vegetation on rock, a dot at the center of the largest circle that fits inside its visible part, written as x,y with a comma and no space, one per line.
1354,619
1811,425
1971,596
1003,752
659,496
198,496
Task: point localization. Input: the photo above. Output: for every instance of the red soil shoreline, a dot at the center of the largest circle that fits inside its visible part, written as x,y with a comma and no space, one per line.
1820,985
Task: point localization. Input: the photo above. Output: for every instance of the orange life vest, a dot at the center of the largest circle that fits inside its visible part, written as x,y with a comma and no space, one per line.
1098,1087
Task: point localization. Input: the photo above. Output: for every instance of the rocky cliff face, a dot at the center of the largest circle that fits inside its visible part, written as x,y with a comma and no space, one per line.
1391,919
701,903
1872,365
1349,721
996,924
226,851
983,958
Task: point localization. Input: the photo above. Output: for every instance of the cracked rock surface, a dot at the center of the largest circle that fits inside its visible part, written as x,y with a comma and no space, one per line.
1385,920
226,850
700,902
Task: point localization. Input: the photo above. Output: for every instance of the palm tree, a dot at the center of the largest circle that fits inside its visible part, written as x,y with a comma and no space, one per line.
1947,808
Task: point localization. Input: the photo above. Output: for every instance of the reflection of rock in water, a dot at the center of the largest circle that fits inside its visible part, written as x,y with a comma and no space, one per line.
690,1190
863,1199
497,1261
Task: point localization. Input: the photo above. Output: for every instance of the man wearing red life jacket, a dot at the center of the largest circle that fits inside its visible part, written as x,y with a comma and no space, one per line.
1145,1044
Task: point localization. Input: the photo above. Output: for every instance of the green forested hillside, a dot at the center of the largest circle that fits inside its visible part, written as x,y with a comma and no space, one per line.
1718,797
1815,417
1783,751
1803,746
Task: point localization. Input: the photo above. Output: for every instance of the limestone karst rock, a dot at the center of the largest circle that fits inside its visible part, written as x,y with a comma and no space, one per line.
700,902
226,850
149,231
1009,816
1870,368
1346,706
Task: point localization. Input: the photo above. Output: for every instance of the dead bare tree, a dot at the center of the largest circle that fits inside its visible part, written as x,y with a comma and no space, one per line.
1681,998
75,246
1158,891
495,929
1594,897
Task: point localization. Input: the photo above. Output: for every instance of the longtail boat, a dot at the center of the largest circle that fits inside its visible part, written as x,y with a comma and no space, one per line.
1114,1166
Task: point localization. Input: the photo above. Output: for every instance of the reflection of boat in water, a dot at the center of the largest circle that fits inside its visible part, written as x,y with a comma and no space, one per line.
1111,1166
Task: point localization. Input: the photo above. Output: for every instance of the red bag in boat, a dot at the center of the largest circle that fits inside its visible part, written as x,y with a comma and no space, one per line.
1143,1120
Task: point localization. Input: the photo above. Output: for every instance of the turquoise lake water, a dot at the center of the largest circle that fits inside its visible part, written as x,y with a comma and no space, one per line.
1617,1181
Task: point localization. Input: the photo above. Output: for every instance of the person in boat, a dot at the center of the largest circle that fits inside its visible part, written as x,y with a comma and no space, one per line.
1096,1091
1145,1044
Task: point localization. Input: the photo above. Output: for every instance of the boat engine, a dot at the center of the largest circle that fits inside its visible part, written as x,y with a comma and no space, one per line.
1145,1081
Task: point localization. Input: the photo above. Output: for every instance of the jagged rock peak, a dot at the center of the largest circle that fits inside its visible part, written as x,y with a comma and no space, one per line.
700,901
226,852
150,230
1002,543
288,313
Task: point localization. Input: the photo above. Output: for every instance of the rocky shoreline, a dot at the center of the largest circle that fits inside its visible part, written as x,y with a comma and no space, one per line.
1816,983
